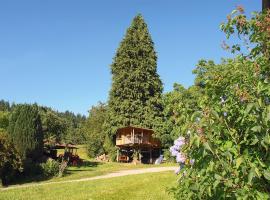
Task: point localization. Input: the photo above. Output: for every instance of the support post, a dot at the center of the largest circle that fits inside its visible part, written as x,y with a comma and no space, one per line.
117,155
151,159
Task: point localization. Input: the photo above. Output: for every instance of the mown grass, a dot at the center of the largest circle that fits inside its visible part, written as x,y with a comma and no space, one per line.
97,168
133,187
89,168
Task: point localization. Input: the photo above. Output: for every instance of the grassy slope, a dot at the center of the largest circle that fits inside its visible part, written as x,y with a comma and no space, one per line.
143,186
91,168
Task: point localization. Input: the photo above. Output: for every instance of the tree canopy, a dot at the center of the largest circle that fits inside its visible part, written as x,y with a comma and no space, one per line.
135,96
94,130
25,130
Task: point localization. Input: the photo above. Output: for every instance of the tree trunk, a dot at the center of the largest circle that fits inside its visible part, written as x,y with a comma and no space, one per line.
265,4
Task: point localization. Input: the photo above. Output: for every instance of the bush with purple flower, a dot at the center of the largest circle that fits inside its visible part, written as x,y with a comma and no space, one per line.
181,157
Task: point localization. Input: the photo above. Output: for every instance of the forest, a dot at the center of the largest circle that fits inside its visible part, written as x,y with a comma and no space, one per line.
217,130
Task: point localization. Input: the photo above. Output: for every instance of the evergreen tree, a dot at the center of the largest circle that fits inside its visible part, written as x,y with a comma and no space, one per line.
4,105
9,158
94,132
135,96
25,130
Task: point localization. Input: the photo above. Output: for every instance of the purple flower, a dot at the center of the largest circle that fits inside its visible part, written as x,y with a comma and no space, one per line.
178,143
173,150
180,158
192,161
225,114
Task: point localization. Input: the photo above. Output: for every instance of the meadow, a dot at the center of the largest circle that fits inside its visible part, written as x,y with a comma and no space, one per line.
143,186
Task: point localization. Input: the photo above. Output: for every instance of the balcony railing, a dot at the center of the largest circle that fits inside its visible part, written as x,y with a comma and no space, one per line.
130,140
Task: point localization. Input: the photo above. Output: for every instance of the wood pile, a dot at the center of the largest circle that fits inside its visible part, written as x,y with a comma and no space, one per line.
103,158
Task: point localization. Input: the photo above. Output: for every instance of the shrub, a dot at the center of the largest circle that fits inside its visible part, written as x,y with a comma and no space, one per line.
50,168
229,136
9,158
25,131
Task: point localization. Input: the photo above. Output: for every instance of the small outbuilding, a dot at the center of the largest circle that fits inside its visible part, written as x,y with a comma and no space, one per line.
137,142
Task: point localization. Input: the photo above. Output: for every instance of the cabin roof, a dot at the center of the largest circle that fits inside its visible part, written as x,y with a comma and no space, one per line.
133,127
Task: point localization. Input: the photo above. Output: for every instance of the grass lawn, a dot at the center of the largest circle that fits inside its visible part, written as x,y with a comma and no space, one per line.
90,168
144,186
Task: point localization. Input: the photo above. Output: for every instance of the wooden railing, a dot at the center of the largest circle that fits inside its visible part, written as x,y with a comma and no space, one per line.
130,140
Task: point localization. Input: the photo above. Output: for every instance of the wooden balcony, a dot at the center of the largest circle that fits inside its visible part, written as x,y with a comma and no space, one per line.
134,136
124,140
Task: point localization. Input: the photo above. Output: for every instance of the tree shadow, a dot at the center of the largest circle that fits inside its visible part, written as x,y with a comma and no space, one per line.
87,163
22,178
85,166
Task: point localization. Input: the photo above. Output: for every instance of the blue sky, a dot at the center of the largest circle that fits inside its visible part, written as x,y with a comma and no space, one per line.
58,52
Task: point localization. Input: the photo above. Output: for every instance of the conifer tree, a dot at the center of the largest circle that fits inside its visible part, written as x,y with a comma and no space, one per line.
135,96
25,130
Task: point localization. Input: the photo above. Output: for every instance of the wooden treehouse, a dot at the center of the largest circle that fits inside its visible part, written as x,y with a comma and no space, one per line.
133,140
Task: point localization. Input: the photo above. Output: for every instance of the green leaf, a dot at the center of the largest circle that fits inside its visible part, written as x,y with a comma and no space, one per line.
249,107
228,144
234,12
215,114
218,177
257,129
207,146
266,174
267,116
251,175
261,195
215,184
238,162
254,141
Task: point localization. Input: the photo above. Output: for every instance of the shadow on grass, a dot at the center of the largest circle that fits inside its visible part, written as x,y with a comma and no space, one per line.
87,163
22,178
84,167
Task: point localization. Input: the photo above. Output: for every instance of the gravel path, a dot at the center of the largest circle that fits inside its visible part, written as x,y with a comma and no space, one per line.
110,175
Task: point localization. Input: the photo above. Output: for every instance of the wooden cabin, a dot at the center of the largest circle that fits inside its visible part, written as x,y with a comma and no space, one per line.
134,139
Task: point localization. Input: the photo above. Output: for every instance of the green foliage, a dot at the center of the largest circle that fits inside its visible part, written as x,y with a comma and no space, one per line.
178,105
74,127
9,158
4,120
230,139
94,131
50,168
4,106
62,127
110,148
135,96
52,124
25,130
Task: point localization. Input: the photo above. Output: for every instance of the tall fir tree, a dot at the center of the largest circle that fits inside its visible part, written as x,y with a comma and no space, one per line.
25,130
135,96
